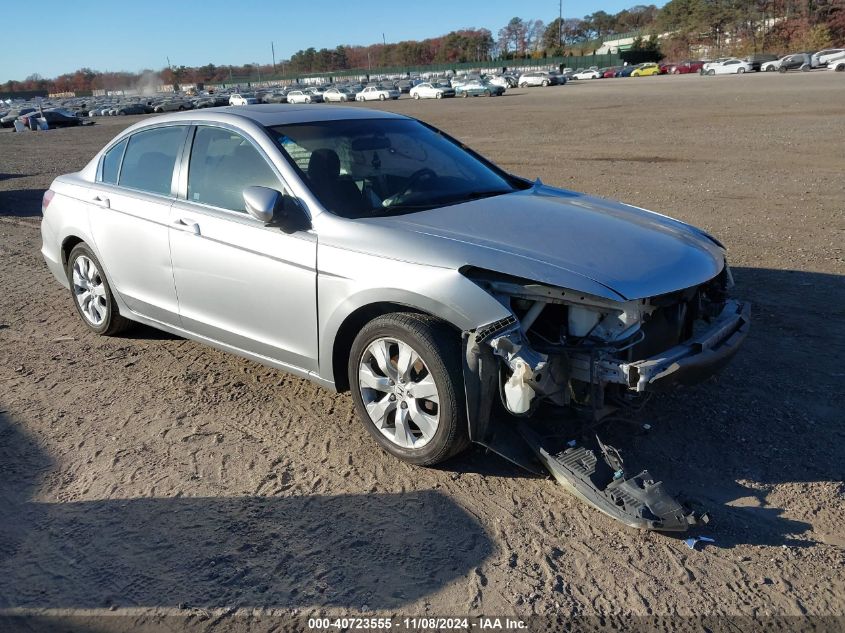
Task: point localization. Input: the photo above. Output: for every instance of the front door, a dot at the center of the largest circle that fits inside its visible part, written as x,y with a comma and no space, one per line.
239,282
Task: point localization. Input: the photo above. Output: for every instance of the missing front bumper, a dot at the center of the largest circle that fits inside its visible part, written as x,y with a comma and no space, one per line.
583,468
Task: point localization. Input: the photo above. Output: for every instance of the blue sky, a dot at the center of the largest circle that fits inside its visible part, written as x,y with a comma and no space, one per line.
132,35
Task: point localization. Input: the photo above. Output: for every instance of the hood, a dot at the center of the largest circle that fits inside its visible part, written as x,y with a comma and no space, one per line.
557,237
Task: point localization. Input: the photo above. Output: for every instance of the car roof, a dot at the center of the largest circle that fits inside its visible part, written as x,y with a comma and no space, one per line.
279,114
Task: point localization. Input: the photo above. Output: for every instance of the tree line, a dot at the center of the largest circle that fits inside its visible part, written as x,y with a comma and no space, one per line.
687,28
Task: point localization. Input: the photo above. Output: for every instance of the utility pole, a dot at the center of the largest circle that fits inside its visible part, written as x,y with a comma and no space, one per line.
383,40
560,24
273,50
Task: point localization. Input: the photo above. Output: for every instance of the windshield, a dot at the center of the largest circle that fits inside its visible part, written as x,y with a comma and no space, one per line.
375,167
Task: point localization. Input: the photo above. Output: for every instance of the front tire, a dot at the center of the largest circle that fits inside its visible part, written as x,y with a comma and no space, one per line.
91,293
406,381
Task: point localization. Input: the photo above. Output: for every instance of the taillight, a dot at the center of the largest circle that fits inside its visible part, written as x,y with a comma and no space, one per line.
45,201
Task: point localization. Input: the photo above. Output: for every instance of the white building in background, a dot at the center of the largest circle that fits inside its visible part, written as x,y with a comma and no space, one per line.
623,43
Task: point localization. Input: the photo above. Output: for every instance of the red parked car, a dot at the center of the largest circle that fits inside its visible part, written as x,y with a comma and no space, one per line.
609,73
684,67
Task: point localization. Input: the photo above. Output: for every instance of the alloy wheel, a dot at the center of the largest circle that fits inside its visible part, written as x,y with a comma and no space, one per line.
89,290
399,393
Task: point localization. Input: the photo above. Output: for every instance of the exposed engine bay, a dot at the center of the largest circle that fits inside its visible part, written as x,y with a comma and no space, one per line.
592,359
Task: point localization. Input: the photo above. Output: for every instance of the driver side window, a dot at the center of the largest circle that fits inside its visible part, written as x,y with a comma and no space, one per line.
224,163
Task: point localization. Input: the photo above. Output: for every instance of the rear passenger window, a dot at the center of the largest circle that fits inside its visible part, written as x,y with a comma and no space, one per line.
223,164
111,163
150,157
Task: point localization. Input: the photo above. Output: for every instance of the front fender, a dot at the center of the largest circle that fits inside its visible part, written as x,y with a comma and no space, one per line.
348,281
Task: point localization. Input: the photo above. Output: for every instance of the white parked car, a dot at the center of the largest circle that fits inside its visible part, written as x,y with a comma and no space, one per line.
534,79
336,95
587,74
731,66
239,100
837,63
772,66
500,80
708,65
429,91
824,57
300,96
374,93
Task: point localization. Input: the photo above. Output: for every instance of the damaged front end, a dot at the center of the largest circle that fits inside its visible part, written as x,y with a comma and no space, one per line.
594,358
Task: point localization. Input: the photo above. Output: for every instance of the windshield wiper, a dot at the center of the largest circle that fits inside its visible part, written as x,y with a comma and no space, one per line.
477,195
444,202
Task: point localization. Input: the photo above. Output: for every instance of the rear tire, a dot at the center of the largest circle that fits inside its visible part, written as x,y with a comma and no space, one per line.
84,273
839,68
711,72
381,97
437,350
740,71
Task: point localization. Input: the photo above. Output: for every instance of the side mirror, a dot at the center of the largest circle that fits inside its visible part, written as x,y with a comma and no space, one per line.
276,209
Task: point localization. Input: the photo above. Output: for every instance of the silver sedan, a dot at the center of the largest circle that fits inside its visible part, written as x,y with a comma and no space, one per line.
367,251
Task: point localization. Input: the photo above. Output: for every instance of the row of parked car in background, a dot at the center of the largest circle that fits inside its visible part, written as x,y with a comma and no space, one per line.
831,58
341,92
75,111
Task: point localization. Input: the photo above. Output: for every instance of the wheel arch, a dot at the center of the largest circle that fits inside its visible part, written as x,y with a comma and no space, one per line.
355,322
68,243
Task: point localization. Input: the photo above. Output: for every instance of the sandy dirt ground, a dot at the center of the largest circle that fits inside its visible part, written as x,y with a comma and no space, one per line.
148,481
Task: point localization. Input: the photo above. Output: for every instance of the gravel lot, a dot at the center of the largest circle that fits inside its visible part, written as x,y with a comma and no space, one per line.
150,477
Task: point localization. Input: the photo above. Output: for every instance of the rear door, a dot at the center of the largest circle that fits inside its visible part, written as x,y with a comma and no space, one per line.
239,282
129,215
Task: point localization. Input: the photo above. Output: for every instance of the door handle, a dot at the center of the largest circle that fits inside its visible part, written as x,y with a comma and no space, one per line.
187,225
101,201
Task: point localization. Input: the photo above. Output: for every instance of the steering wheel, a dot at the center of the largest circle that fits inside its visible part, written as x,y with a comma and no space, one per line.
413,180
